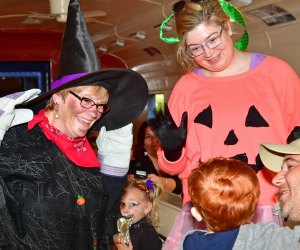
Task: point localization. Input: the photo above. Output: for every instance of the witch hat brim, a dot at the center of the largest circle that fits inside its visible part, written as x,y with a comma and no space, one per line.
128,95
80,66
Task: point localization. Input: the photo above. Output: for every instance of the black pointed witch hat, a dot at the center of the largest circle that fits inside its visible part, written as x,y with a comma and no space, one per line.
79,66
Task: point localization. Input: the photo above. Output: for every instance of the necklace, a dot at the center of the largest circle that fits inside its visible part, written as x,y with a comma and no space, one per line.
77,143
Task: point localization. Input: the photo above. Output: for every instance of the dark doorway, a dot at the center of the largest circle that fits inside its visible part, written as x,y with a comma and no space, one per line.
20,76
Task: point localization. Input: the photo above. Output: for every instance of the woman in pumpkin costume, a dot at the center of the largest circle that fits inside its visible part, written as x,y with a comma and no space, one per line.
228,102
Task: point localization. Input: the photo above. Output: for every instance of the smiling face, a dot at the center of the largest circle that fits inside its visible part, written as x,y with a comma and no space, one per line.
134,203
218,58
74,120
288,182
151,142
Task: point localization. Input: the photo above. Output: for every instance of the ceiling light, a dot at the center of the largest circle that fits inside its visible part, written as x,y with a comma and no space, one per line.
141,35
103,48
119,42
240,3
167,27
59,8
62,18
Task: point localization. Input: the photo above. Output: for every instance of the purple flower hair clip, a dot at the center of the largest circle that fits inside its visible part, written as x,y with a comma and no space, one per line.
149,184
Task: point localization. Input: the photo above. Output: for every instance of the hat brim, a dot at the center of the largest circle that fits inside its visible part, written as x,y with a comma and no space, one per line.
272,154
128,95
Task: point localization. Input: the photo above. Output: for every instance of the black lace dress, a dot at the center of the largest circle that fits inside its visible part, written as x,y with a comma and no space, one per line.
38,193
144,237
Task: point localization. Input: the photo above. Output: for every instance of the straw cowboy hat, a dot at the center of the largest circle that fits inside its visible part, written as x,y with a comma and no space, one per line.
272,154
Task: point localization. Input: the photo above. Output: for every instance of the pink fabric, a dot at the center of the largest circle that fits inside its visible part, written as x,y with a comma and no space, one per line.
265,214
272,87
184,222
181,163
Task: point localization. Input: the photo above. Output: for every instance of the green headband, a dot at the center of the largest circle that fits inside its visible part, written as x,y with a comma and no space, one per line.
232,12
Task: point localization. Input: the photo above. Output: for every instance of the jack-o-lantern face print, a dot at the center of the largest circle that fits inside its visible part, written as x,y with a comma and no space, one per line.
253,119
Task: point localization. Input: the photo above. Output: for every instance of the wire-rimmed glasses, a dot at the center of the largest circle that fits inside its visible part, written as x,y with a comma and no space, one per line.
88,103
213,41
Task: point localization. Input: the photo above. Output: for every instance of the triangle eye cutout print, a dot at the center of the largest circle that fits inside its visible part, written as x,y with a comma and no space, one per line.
231,138
255,119
205,117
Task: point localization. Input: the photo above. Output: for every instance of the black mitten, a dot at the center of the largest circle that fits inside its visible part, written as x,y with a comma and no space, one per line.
171,137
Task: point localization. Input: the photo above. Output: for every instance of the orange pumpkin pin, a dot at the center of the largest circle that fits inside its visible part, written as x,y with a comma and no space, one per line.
80,200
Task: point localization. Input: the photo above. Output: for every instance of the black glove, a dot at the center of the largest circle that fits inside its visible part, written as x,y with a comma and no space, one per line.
171,137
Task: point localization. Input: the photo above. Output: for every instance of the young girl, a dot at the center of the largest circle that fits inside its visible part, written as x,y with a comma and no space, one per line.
139,201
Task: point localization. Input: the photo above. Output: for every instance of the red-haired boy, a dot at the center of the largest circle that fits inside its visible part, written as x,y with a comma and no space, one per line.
224,194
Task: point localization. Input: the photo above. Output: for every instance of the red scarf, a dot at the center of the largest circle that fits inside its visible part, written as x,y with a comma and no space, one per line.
78,150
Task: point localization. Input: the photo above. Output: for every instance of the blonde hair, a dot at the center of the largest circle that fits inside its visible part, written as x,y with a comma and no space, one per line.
150,194
225,193
103,93
193,14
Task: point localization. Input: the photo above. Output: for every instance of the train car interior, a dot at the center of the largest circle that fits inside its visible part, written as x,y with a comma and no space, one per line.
126,34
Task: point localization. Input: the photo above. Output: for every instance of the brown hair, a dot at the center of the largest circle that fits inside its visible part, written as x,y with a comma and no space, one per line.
138,149
193,14
103,93
150,194
224,192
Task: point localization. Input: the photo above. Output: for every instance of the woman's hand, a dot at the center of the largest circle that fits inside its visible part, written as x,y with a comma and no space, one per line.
130,177
9,116
171,137
167,184
114,148
156,179
120,243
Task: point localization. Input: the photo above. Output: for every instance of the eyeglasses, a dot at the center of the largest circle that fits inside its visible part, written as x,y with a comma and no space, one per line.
214,41
180,5
88,103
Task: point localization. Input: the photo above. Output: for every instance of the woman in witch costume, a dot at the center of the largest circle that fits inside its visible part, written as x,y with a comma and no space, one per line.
52,194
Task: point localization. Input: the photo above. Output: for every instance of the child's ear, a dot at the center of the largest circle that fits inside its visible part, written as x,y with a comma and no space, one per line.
196,214
148,207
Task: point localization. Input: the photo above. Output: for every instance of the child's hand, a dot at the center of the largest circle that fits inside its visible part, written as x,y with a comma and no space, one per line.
156,179
120,244
166,183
